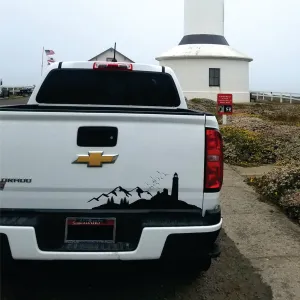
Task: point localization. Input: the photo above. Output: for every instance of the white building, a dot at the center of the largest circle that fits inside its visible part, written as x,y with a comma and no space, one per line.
108,55
203,61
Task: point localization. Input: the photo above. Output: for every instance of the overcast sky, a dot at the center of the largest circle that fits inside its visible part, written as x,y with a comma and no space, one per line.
267,30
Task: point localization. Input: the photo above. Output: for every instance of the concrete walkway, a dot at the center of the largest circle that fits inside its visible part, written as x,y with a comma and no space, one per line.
253,172
264,235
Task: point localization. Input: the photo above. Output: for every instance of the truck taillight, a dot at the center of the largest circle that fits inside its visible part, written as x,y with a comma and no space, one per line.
115,66
213,161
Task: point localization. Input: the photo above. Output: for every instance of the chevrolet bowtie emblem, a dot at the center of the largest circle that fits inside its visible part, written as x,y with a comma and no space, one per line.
95,159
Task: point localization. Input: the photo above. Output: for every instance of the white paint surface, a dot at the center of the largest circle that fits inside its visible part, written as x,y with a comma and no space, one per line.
193,75
65,185
204,16
204,51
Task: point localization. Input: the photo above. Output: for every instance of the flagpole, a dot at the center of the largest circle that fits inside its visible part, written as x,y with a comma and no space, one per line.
42,62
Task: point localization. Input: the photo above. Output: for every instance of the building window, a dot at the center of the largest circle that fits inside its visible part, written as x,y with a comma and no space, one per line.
109,59
214,77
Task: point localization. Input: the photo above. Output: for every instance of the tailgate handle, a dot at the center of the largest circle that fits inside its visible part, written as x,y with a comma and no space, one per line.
97,136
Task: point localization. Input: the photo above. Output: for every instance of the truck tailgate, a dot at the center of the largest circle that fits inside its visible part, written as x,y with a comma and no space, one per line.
69,160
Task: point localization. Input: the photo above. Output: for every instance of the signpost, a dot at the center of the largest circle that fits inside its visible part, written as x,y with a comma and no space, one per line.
225,106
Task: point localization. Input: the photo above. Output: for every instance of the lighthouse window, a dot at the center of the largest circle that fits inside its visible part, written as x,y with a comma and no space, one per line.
214,77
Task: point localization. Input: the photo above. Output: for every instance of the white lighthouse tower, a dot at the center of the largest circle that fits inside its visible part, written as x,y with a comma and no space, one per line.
204,62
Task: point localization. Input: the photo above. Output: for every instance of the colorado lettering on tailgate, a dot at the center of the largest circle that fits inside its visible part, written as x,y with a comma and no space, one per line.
16,180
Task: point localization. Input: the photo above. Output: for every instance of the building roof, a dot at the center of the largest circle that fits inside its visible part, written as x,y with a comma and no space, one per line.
203,51
111,49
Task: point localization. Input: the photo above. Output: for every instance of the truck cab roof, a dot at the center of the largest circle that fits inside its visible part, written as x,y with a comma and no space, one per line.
100,83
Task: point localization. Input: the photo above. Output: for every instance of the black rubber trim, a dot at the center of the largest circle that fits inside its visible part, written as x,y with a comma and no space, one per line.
154,218
60,65
163,69
215,251
204,39
213,216
191,245
24,211
126,110
49,226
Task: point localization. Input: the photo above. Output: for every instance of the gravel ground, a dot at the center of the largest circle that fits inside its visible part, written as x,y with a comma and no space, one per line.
231,277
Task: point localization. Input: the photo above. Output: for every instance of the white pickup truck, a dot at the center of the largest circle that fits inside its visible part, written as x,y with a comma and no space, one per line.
106,162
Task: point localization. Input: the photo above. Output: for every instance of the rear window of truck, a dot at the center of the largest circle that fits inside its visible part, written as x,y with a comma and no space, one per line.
102,87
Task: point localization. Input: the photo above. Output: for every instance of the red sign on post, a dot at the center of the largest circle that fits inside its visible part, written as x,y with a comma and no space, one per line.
225,104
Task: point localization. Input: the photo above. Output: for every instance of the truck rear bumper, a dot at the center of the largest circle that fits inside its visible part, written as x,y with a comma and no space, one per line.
23,244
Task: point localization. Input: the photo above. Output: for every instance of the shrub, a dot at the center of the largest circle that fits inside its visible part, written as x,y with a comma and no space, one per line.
274,142
279,182
282,187
206,105
209,105
291,205
246,148
276,112
283,141
286,117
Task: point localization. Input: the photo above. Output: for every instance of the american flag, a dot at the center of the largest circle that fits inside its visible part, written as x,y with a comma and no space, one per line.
50,60
49,52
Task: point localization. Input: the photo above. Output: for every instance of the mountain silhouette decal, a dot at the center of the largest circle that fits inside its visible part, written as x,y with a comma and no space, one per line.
126,193
162,200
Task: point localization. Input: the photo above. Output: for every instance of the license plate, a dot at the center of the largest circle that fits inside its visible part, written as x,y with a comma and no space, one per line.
90,230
